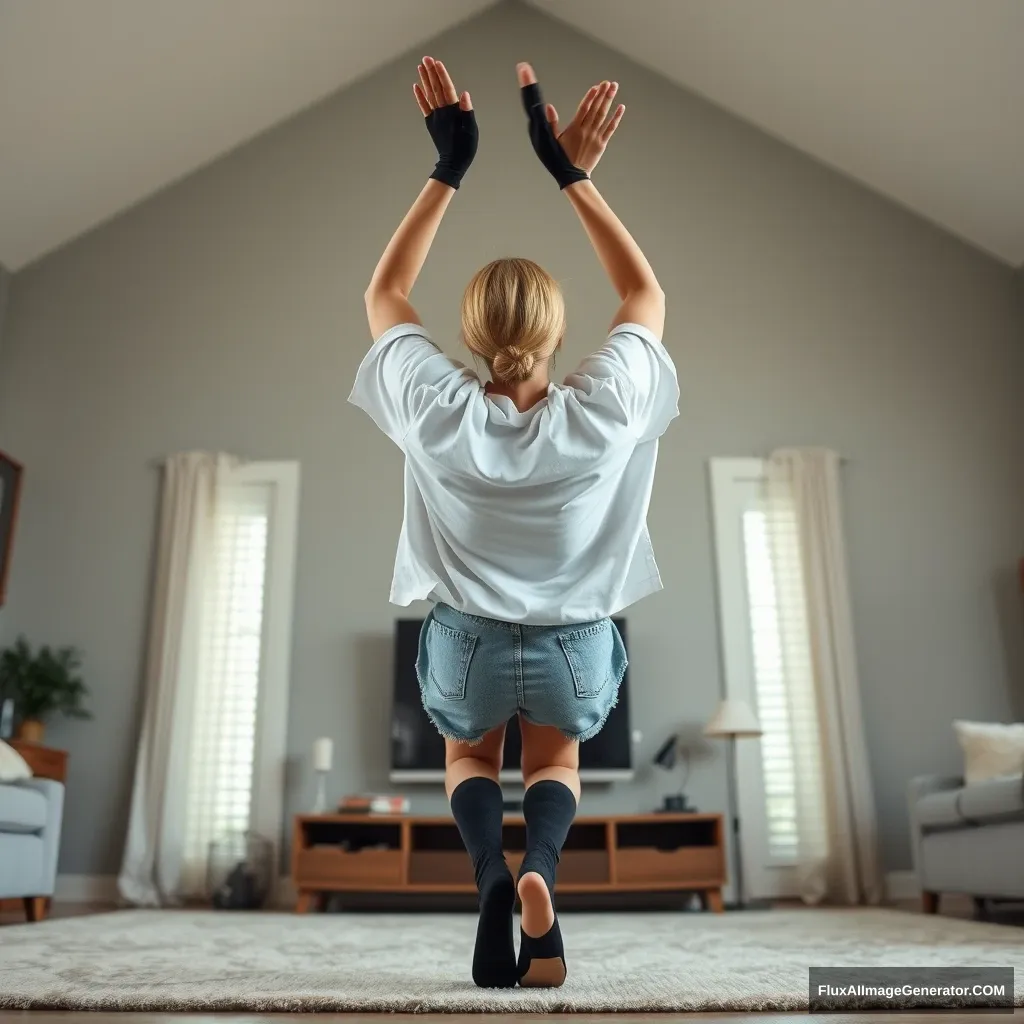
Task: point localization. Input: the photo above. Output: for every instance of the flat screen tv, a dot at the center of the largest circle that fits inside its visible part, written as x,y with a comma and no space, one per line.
417,749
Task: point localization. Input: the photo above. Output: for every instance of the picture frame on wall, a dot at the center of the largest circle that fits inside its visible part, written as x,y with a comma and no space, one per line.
11,472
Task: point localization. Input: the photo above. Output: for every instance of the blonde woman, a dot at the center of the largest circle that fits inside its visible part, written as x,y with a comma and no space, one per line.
525,505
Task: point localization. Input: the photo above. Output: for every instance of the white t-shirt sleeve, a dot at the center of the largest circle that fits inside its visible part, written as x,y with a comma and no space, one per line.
633,375
403,371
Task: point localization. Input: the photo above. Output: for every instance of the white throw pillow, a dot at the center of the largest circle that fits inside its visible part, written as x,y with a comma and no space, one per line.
991,750
12,765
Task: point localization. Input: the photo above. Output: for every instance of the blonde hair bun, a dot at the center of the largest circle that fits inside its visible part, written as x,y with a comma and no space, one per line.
512,364
513,317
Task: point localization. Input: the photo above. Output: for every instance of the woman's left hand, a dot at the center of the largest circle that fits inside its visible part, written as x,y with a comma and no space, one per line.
570,154
450,121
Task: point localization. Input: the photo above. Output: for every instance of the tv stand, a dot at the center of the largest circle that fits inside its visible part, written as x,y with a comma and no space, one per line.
362,853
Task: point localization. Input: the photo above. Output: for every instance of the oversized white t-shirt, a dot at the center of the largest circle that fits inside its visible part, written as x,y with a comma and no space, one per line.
536,517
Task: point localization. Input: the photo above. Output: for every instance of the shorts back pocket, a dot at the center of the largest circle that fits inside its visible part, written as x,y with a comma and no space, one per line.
589,652
449,652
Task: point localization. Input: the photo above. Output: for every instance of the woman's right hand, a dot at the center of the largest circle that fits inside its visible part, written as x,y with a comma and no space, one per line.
582,143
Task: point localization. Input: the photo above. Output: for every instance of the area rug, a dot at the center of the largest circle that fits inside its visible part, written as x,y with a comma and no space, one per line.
628,962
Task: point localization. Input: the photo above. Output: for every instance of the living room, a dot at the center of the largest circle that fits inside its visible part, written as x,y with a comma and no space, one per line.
815,756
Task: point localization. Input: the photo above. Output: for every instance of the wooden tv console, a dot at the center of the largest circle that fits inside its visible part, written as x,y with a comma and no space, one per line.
338,853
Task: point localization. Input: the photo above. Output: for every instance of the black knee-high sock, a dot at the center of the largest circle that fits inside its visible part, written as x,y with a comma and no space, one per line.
548,807
476,805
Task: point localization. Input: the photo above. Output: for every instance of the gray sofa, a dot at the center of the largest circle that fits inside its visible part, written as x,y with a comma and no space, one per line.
967,839
30,818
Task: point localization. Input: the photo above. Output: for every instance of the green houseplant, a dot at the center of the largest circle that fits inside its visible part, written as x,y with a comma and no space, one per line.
42,684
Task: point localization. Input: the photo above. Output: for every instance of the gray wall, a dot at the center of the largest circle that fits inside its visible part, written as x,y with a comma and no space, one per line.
227,313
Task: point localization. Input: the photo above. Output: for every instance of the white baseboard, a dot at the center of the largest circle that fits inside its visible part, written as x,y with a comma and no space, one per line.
901,885
86,889
103,889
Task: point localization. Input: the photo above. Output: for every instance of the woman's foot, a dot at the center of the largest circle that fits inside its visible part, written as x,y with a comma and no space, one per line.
494,956
541,954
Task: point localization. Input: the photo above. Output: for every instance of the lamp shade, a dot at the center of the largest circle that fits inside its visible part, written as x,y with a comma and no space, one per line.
323,754
733,718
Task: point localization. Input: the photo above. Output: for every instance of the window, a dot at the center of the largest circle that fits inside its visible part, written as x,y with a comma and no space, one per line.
767,654
235,779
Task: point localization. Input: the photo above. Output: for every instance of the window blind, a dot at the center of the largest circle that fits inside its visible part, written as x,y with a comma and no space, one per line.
784,682
220,780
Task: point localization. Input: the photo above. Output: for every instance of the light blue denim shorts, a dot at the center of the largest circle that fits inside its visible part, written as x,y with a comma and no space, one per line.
476,673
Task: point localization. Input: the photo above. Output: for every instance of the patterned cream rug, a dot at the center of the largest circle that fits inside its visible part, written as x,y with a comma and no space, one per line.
186,960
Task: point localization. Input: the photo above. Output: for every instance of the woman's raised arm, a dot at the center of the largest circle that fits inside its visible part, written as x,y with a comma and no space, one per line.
452,126
571,156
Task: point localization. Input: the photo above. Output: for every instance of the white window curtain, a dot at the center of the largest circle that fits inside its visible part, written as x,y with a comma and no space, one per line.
836,841
155,857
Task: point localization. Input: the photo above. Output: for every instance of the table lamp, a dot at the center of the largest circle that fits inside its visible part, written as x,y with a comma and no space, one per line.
323,754
669,754
734,720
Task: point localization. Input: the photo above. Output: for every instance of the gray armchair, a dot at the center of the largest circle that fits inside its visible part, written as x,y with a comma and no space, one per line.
967,839
30,818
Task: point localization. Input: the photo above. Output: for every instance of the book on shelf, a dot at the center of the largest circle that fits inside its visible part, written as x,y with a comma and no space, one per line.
373,803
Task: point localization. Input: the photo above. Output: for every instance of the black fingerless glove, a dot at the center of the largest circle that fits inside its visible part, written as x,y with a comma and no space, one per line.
455,136
545,145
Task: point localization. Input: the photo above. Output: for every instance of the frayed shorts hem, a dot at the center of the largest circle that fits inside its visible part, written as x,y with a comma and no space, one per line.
449,734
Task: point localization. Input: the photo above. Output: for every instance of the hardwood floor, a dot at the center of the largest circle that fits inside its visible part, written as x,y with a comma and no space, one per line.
94,1017
100,1017
951,907
15,913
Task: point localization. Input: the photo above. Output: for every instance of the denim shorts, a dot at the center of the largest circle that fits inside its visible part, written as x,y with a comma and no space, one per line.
476,673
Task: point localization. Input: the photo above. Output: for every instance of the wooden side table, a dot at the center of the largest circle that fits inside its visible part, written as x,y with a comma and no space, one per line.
46,763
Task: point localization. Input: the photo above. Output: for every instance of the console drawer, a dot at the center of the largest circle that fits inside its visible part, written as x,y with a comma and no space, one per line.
333,868
695,864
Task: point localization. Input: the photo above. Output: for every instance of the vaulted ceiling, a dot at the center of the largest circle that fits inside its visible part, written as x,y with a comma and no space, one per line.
923,100
102,103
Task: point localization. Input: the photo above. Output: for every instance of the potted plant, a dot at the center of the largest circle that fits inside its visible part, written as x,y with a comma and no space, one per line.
42,684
